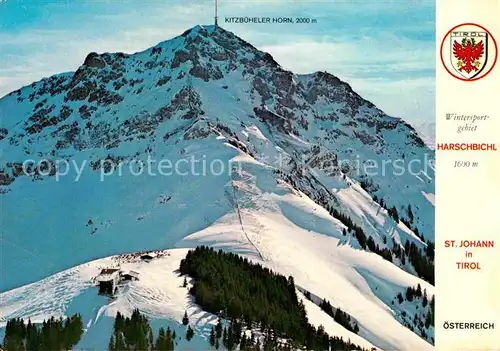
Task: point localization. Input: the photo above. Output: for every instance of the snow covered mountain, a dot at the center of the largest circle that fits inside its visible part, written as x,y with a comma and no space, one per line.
427,131
262,159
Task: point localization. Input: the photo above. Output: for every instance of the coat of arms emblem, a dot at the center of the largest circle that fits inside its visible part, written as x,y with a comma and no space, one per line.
472,52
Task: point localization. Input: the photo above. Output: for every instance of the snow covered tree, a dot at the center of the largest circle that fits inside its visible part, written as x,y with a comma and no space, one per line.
111,345
159,345
120,342
218,329
400,298
409,293
53,334
428,319
418,292
164,342
224,337
141,342
169,337
243,291
424,300
230,343
189,333
393,212
410,214
151,340
243,341
212,337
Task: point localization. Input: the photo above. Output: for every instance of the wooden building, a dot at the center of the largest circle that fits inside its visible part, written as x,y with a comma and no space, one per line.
148,257
131,275
108,280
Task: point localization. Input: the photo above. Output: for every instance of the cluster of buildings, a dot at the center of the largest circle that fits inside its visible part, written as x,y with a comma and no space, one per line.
110,278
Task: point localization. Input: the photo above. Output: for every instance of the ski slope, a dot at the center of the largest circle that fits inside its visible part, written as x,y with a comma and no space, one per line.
276,226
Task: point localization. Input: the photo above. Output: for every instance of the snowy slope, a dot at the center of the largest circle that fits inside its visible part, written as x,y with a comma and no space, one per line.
158,294
210,96
207,78
427,131
280,228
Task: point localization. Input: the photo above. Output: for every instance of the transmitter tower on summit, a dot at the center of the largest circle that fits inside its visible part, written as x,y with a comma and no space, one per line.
216,17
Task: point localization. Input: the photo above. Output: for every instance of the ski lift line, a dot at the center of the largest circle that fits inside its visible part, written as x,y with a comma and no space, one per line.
241,221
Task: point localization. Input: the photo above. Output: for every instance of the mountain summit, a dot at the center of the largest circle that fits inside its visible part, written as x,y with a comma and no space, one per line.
316,181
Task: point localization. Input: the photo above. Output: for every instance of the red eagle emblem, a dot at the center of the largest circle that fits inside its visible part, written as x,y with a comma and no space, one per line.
468,54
